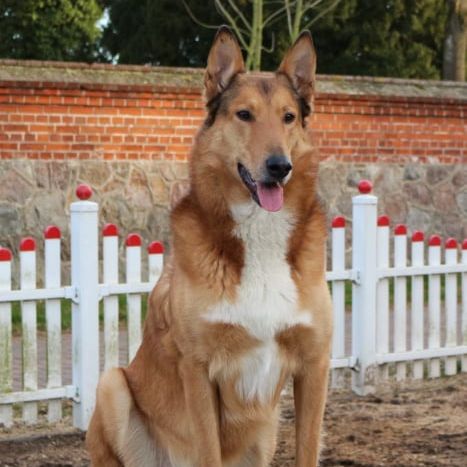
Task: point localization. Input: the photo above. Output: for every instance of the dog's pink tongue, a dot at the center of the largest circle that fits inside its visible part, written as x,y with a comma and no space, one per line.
271,198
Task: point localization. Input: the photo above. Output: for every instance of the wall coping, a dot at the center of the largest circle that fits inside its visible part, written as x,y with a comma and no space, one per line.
41,74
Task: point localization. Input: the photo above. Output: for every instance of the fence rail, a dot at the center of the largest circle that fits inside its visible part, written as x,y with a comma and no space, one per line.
399,320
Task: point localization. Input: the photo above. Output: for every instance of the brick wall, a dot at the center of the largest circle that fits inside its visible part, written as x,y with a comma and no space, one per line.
394,130
42,121
74,111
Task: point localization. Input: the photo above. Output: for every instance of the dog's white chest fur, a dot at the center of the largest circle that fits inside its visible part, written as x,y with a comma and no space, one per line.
267,299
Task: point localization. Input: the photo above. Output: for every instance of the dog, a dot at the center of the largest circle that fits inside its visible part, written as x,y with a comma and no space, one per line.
242,304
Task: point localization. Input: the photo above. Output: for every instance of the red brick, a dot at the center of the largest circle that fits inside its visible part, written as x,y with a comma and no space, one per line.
134,123
10,146
30,147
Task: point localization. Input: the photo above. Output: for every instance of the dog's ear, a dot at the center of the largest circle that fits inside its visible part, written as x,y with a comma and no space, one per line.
299,65
225,60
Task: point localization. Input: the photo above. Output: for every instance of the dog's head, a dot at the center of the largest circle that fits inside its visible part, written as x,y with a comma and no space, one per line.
256,122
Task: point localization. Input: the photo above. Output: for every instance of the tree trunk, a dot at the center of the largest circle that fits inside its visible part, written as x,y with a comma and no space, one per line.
253,61
297,24
455,41
259,32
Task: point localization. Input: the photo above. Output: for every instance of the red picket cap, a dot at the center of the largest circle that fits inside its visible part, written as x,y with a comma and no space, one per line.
418,236
338,222
451,243
435,240
400,229
464,244
133,239
383,221
83,192
155,248
110,230
52,231
5,254
27,244
365,187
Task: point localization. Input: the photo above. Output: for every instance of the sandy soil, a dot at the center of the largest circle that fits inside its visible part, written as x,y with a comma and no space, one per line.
415,424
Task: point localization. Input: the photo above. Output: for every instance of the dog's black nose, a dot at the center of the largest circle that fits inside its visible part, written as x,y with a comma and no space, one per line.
278,167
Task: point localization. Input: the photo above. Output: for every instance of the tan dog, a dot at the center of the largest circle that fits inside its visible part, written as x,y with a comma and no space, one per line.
242,303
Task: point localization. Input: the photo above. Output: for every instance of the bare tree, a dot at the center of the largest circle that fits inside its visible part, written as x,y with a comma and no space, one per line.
250,28
455,41
297,13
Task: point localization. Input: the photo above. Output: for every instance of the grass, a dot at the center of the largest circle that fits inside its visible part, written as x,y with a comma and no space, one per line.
66,309
41,319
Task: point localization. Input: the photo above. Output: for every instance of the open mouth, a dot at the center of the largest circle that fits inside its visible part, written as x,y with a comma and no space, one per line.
268,195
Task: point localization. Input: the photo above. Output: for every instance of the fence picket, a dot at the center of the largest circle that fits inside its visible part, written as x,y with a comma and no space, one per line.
400,298
338,299
133,275
417,309
53,318
382,293
451,304
156,260
6,357
110,259
434,303
464,304
29,326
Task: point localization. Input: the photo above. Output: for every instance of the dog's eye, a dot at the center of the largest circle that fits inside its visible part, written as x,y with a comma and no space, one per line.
289,117
245,115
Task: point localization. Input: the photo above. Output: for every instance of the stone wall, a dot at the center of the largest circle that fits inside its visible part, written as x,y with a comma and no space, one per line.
136,195
431,198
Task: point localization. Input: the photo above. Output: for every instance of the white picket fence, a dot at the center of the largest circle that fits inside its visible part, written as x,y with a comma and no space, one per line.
391,334
372,316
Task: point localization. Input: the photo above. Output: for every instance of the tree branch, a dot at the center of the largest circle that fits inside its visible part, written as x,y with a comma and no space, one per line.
240,14
297,20
323,13
311,6
278,12
271,48
196,20
289,17
232,23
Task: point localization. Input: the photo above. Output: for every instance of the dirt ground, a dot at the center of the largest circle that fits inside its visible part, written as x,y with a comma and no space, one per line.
415,424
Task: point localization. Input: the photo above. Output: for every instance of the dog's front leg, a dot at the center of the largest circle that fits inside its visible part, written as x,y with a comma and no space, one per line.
310,387
202,404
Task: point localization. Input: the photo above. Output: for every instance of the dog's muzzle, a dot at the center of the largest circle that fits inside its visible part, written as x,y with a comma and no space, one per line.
268,193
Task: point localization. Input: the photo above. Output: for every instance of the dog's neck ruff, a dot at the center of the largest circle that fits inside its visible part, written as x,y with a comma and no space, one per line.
266,299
